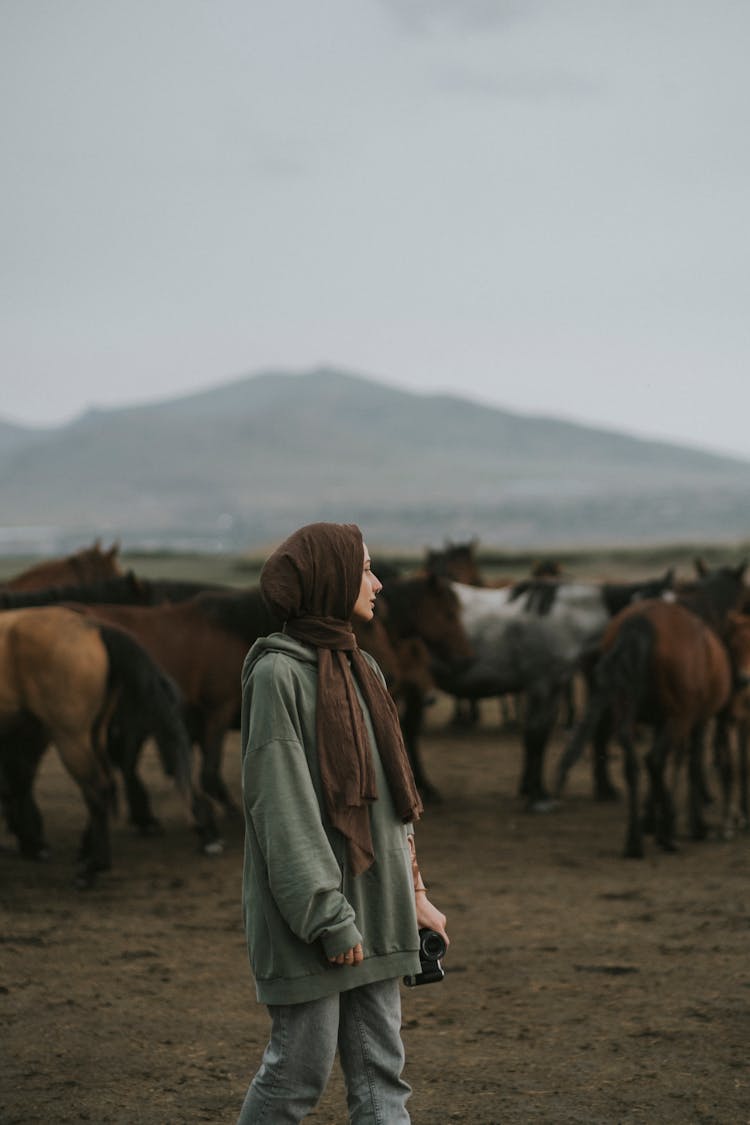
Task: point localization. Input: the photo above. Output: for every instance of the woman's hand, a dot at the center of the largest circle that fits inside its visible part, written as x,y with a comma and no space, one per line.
429,917
353,956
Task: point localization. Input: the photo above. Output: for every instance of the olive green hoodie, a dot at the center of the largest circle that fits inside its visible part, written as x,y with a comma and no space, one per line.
301,903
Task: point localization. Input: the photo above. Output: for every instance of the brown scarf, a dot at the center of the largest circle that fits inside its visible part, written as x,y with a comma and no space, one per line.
312,582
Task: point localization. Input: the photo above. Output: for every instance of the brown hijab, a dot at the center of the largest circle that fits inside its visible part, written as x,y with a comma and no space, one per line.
312,582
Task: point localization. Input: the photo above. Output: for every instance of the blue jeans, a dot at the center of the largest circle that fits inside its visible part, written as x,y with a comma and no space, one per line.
365,1025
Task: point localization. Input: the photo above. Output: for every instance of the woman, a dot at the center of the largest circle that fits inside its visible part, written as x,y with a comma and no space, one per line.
332,893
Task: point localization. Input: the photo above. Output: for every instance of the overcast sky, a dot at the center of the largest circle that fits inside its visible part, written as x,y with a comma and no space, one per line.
542,204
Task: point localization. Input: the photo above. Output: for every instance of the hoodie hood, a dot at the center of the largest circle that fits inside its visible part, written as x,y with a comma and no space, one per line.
277,642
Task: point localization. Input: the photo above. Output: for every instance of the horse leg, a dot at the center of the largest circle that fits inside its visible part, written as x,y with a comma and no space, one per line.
124,750
201,812
215,726
604,789
742,740
697,787
569,700
465,712
540,715
634,838
20,754
723,763
90,770
663,804
411,715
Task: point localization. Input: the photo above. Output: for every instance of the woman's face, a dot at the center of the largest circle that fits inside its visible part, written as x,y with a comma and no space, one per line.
364,607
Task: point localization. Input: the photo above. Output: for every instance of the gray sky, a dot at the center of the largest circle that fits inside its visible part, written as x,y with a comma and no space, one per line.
540,204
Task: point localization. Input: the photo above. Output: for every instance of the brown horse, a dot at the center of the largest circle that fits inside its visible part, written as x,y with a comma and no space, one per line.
455,560
664,664
201,645
87,565
425,608
64,679
733,725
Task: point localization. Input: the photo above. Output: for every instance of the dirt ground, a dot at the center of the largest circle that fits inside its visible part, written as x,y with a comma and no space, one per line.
580,987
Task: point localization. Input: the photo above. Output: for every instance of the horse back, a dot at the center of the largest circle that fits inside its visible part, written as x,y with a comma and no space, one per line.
52,664
690,669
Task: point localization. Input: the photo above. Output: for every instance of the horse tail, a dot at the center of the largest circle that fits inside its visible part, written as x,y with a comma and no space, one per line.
621,681
623,674
148,704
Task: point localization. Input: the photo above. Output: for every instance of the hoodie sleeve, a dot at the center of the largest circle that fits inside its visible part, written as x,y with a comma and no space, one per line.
281,808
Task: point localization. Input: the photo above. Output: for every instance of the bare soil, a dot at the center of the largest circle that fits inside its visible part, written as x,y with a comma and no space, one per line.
580,987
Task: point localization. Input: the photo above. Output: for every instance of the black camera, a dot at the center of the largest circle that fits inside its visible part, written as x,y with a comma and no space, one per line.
431,948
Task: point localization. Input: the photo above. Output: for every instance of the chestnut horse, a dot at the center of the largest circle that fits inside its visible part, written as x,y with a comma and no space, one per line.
664,664
423,608
87,565
455,560
65,680
201,644
734,720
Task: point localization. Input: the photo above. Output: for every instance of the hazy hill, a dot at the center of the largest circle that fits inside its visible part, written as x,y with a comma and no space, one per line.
246,462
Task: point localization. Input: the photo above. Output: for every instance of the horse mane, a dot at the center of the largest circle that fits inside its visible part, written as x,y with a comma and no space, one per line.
181,589
617,595
715,594
125,589
540,594
244,613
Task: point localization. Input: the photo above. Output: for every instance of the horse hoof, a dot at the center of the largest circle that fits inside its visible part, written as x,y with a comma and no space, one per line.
609,793
150,828
544,805
213,847
84,880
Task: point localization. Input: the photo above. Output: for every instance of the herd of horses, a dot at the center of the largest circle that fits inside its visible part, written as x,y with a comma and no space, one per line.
97,661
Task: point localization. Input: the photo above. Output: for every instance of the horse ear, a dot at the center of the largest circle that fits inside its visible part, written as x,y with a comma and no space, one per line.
700,567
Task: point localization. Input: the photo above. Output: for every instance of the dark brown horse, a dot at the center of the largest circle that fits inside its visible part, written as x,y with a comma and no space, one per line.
456,561
665,665
200,644
64,679
423,607
732,730
87,565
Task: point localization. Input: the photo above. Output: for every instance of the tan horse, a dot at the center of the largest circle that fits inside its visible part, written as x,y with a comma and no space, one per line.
64,679
53,687
90,564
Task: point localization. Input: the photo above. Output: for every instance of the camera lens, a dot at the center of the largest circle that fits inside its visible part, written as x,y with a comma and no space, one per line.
433,945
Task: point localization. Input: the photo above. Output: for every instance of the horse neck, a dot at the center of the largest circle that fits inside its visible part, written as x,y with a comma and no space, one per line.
618,595
400,597
713,601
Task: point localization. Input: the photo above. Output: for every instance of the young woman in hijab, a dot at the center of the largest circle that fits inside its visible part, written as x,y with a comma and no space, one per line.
332,894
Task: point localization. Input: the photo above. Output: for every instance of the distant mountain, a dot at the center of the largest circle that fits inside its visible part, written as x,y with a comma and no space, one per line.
241,465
